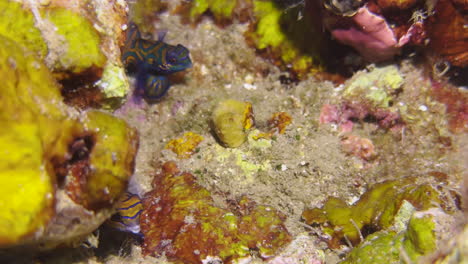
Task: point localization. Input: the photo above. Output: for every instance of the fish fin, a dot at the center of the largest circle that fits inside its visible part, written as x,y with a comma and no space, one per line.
162,35
140,87
156,87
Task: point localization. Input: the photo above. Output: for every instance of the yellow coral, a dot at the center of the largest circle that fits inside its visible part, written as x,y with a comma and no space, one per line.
81,49
184,146
231,120
279,121
38,131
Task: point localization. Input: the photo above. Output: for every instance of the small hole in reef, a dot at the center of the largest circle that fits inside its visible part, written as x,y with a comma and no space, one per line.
369,229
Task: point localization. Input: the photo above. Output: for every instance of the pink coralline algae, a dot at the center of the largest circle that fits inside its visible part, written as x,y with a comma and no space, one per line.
369,34
347,114
359,147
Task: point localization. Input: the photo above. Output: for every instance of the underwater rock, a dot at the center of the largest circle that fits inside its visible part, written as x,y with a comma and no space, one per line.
279,32
367,95
223,10
231,119
144,12
181,221
286,36
448,33
279,121
379,29
375,86
415,239
456,102
184,146
376,209
78,40
302,250
61,170
359,147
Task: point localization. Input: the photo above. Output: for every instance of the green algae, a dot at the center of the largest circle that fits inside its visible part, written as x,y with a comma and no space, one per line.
377,86
380,247
375,210
189,218
417,239
420,239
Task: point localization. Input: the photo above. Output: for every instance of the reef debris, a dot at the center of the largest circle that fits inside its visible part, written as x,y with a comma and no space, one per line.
181,221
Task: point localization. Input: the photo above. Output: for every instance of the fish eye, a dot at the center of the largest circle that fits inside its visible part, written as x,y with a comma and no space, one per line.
172,59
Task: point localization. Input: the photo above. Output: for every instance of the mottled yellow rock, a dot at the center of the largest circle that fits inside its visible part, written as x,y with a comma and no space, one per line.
41,151
231,120
79,40
184,146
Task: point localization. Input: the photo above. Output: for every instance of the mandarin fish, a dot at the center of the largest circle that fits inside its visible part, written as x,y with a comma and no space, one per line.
127,217
152,62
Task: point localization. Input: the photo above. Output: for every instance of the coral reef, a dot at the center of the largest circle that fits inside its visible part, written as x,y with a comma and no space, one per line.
181,221
448,33
186,145
231,119
375,210
81,47
143,12
376,86
379,29
415,238
359,147
71,165
456,102
370,34
280,34
367,95
222,10
301,250
279,121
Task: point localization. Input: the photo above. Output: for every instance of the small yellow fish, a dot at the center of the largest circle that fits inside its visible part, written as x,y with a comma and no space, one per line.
127,217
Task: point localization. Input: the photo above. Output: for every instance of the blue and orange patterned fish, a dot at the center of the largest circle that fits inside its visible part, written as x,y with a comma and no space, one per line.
127,217
152,61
